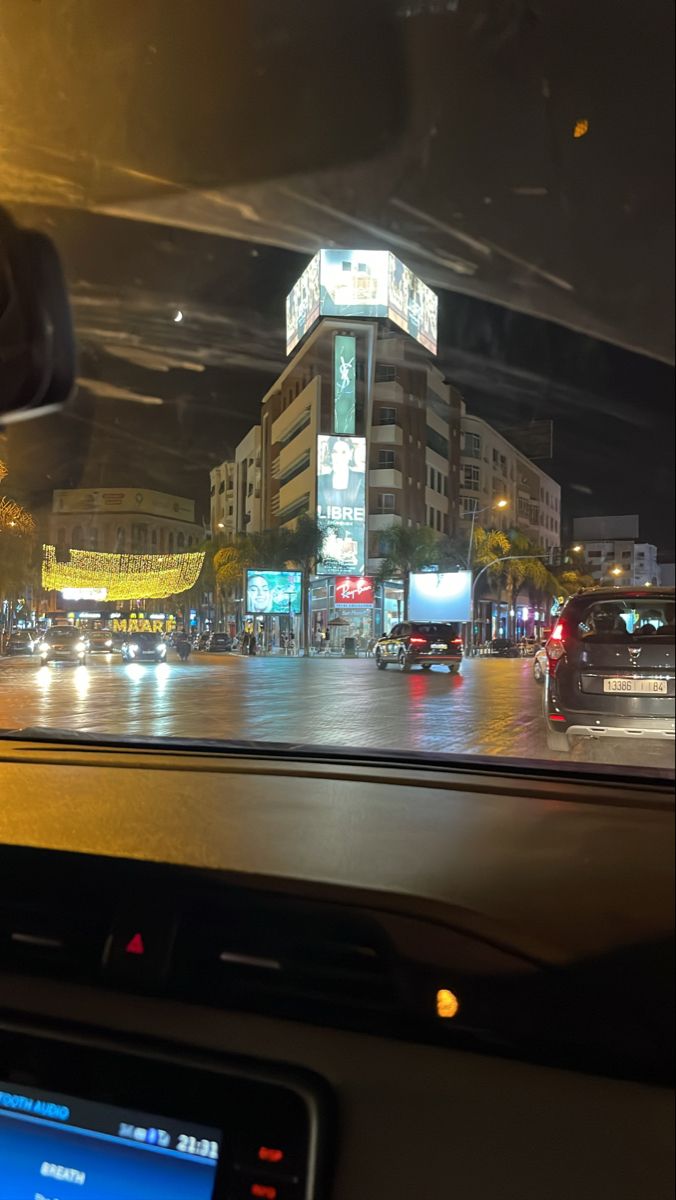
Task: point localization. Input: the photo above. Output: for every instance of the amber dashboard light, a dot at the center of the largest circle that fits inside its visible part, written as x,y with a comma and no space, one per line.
448,1004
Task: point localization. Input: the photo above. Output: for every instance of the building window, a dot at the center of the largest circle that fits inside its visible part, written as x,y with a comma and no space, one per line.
472,445
386,501
386,458
468,504
213,490
171,542
153,537
385,373
77,537
61,537
387,416
180,541
471,478
221,487
436,442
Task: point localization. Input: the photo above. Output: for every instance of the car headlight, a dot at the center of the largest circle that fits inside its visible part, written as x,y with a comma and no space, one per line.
161,648
109,643
132,648
80,645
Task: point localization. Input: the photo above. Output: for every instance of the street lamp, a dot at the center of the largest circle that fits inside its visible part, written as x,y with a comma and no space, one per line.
616,571
577,549
476,512
501,503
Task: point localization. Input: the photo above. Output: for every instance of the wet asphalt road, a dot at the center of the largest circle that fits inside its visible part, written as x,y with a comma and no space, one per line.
492,707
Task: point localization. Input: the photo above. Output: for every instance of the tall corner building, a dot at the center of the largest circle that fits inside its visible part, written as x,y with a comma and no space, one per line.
362,430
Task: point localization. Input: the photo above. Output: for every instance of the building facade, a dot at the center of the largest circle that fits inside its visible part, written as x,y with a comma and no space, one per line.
613,552
236,490
123,521
222,500
422,458
493,470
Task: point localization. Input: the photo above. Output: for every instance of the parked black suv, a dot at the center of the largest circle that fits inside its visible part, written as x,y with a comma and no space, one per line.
420,643
610,666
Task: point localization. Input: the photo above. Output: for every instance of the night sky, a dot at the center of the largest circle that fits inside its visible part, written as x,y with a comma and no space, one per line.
160,403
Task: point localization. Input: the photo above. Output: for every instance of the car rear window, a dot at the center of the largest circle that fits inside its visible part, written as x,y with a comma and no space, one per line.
624,616
61,632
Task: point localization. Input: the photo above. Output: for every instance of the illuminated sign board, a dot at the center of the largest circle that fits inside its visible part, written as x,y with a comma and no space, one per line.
341,502
353,589
274,592
344,383
302,305
361,283
411,304
85,593
445,596
139,623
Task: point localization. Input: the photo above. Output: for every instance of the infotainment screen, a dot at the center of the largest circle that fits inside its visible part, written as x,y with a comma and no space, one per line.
50,1141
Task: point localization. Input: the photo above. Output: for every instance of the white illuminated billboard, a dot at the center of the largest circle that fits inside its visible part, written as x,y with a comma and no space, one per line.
353,283
341,502
302,305
361,283
443,596
412,305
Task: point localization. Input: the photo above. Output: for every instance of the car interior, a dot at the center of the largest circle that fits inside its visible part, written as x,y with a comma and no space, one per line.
309,972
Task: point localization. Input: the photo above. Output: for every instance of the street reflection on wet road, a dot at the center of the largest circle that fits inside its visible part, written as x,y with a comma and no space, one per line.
493,707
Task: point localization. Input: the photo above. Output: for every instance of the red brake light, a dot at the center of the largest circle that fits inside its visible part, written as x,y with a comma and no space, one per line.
555,649
418,641
457,641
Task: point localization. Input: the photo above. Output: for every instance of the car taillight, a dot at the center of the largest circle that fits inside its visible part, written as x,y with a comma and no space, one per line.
457,641
418,641
555,648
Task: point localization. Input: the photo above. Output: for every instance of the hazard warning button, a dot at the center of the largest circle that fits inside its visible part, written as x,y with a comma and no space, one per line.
138,950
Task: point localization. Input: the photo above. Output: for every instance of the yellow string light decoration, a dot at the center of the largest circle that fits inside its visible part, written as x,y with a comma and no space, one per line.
124,576
14,518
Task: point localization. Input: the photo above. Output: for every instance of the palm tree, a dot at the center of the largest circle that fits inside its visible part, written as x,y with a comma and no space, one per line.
489,545
408,549
524,570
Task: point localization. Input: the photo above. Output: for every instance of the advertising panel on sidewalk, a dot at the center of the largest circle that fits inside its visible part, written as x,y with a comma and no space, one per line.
274,592
443,596
341,502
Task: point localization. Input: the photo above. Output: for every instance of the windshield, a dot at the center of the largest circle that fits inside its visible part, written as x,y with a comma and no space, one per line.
405,366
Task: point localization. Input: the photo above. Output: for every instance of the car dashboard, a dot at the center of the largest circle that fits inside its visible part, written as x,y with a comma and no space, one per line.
311,975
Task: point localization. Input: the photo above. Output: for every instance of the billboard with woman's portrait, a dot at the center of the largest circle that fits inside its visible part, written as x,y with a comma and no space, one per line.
341,502
273,592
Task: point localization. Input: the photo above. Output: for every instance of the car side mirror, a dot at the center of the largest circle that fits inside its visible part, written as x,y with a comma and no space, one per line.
37,346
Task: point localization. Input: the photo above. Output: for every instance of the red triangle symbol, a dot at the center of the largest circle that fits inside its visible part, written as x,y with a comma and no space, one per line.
135,946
